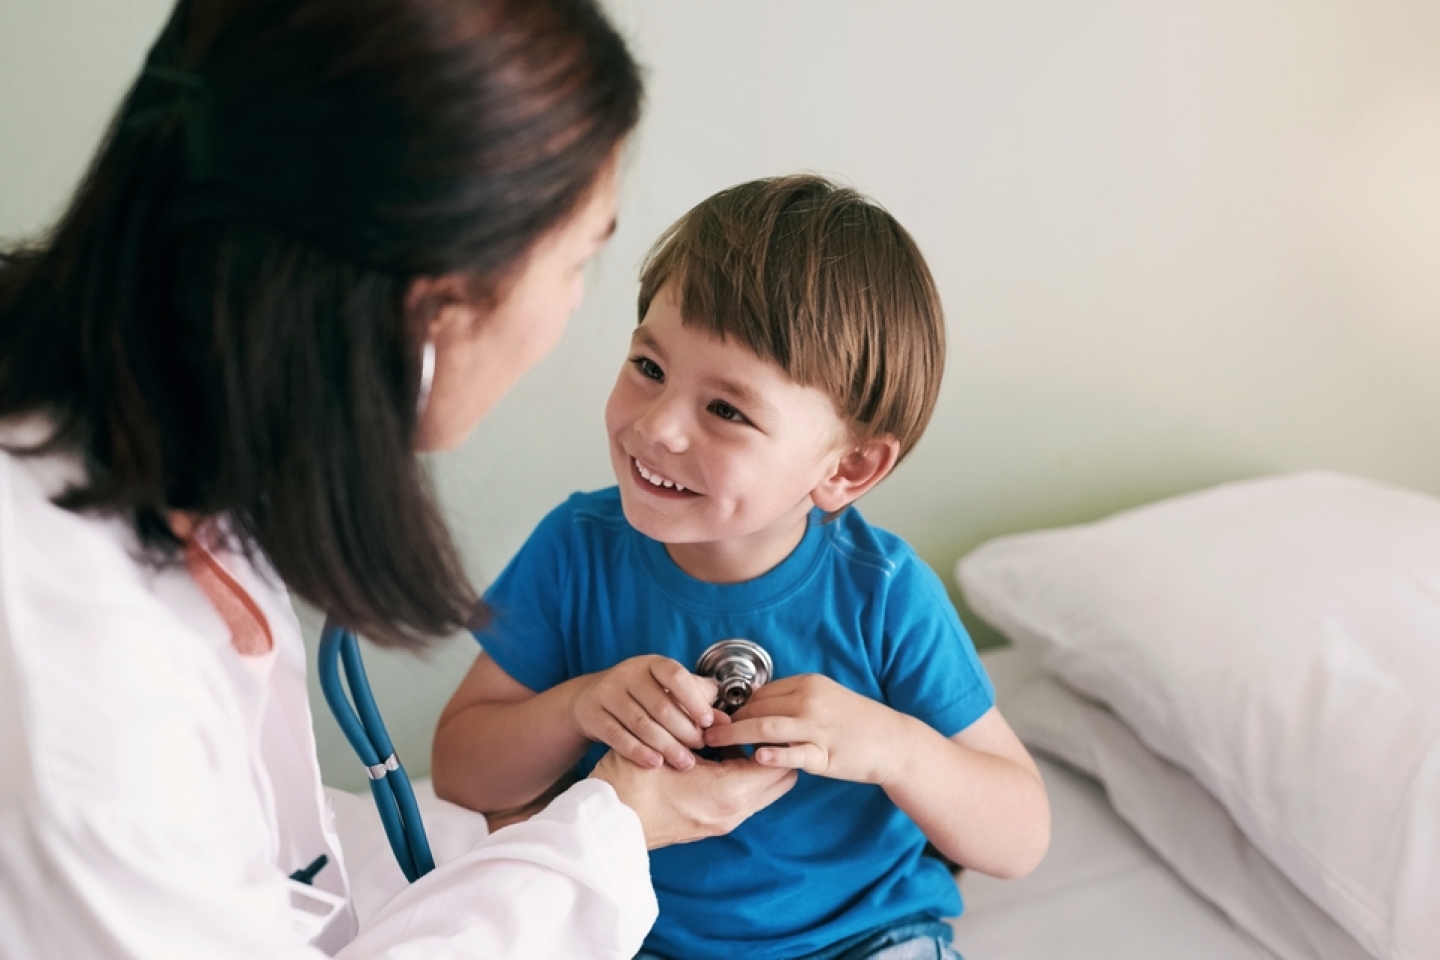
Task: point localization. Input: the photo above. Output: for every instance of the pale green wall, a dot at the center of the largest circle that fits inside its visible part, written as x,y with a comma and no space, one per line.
1178,243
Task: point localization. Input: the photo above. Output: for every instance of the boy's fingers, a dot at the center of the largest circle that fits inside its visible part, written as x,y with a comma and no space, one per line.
660,708
693,694
757,730
726,735
614,735
708,691
799,756
650,732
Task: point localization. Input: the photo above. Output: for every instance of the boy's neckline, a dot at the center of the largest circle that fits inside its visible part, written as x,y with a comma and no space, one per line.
739,561
774,584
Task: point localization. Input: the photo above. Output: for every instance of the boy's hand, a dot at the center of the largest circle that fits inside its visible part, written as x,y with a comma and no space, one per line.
809,722
649,709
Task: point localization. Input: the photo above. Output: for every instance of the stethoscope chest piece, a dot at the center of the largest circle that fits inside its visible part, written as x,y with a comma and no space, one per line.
740,667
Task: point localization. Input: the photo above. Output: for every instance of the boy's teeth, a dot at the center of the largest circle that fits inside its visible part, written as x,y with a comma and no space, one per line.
655,479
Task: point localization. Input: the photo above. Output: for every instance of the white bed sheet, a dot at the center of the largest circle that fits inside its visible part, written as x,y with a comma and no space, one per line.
1099,893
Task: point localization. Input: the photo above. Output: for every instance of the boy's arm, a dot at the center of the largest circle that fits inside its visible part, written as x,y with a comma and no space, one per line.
977,796
499,744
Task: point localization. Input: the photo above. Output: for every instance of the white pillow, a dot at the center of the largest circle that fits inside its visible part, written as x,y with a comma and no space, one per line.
1280,640
1168,808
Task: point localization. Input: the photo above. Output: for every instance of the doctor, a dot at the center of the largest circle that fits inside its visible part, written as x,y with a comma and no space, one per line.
320,235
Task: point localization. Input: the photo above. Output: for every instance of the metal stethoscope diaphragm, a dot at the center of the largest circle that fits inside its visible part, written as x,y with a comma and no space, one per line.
739,667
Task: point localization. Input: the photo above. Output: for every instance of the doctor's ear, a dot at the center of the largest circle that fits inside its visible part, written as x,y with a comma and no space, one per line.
443,305
859,469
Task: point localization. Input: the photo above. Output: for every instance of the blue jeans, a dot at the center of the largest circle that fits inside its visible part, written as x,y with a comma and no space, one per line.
914,938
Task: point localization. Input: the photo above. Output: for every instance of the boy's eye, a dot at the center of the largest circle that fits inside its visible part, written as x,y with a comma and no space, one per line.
724,411
648,368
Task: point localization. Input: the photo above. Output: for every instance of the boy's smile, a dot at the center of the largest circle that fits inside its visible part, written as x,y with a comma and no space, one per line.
659,485
717,452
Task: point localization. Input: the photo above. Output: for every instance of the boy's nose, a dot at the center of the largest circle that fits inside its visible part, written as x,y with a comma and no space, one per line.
663,425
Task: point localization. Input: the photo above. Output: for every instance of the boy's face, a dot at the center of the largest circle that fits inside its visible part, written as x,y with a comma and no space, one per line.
714,448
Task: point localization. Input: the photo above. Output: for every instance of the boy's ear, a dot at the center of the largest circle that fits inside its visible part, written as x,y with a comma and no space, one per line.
859,469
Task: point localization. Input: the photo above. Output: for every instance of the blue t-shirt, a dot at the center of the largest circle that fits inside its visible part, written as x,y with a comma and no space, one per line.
831,858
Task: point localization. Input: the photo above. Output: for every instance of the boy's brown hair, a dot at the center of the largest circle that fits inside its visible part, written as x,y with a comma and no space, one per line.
821,281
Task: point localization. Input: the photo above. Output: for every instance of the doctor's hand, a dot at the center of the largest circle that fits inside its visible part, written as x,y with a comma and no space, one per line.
708,800
809,722
649,709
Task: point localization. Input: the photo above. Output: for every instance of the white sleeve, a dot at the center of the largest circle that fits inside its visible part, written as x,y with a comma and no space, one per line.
104,880
572,882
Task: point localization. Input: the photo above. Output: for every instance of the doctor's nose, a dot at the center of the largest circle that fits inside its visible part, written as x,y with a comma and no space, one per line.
662,424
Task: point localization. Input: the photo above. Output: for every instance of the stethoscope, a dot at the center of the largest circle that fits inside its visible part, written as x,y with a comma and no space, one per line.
739,668
362,726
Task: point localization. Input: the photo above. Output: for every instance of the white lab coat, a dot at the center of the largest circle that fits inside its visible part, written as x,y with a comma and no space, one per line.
156,788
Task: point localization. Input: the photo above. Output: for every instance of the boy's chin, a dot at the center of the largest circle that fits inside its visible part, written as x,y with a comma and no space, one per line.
638,518
656,528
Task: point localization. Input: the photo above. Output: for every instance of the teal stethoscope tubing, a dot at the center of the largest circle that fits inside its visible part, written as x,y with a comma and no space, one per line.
362,726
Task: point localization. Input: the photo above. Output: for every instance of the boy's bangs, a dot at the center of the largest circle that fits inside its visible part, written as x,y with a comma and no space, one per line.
821,282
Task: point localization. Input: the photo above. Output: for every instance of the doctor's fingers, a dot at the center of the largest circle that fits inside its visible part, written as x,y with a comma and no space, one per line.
762,784
743,787
707,801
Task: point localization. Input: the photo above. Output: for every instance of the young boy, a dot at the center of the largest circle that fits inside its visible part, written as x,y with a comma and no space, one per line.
788,357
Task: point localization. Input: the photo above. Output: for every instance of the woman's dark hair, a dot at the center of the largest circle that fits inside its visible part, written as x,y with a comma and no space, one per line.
217,323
